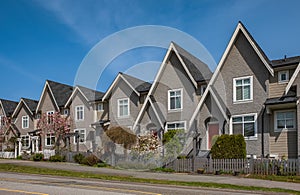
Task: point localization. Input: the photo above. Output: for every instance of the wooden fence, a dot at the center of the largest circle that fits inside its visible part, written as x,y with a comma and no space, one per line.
246,166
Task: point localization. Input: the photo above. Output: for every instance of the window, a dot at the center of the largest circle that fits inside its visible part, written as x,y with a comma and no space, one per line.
100,106
1,121
25,141
123,107
81,133
25,122
242,89
175,99
202,89
66,112
245,125
50,117
79,110
283,76
176,125
285,120
50,139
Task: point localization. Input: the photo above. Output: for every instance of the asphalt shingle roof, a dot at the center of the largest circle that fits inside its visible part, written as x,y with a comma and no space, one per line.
198,69
61,92
8,106
32,104
139,85
90,94
281,100
285,61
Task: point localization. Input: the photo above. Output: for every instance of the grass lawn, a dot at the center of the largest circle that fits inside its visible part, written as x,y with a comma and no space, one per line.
56,172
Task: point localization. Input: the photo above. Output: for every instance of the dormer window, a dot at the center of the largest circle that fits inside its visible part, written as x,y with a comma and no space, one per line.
283,76
100,106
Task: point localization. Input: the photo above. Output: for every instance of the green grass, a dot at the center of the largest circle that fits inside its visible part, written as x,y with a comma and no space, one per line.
293,179
65,173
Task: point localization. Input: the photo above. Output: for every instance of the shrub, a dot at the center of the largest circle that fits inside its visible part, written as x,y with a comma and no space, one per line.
37,157
102,164
229,147
57,158
162,169
78,158
90,160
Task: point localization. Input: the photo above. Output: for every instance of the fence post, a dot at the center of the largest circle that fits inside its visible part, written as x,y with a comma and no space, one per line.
251,165
298,165
210,165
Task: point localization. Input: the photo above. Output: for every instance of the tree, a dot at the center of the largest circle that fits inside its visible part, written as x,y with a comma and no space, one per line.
57,125
5,125
173,141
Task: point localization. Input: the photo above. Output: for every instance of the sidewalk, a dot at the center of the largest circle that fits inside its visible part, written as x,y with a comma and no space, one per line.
160,176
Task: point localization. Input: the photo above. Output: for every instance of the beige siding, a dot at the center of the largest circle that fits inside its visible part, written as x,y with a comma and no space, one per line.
284,144
277,89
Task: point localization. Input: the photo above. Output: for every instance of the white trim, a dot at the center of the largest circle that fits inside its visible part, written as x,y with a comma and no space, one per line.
119,76
294,76
19,105
181,100
102,106
202,89
155,112
255,125
42,95
29,140
128,105
51,135
176,122
79,135
234,90
25,117
2,108
73,94
287,76
219,104
284,129
76,116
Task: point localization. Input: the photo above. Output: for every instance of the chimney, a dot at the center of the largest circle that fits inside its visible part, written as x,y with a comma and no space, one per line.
284,58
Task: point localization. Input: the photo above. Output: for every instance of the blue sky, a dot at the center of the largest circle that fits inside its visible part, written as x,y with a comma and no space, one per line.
42,40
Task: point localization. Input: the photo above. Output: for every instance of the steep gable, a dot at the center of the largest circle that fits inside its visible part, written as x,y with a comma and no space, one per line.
8,106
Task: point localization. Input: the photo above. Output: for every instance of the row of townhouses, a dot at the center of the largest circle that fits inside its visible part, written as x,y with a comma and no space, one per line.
247,94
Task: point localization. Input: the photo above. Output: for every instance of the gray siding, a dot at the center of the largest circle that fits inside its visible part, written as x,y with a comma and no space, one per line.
18,121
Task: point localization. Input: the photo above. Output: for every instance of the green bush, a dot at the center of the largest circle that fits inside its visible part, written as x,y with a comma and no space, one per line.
78,158
162,169
102,164
90,160
57,158
37,157
229,147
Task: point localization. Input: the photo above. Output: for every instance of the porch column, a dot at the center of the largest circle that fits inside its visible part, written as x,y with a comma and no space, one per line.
20,145
37,144
32,144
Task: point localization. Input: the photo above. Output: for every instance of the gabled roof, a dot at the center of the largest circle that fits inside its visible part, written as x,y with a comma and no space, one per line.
239,29
58,91
196,70
89,94
28,103
137,85
8,106
285,61
292,80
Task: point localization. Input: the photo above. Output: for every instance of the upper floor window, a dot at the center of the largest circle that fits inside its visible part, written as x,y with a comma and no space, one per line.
283,76
175,99
66,112
50,117
25,122
245,125
79,113
242,89
25,141
285,120
123,107
100,106
1,121
81,136
202,89
50,140
176,125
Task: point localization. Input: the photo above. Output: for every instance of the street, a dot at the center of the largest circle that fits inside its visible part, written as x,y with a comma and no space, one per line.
15,184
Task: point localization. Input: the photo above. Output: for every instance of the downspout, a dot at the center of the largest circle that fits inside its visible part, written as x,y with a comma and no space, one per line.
262,132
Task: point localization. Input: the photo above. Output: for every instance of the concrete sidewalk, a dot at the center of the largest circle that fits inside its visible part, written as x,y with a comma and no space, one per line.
160,176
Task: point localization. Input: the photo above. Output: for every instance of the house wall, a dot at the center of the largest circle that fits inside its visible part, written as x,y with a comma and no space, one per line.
18,122
277,89
122,90
83,124
243,61
175,77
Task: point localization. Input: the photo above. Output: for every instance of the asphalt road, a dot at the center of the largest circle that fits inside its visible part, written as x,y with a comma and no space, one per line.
16,184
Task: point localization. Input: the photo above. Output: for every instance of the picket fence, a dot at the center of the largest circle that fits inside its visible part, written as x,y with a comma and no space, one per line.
235,166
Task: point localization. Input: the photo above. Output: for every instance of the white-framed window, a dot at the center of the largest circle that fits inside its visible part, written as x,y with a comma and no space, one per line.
175,99
285,120
123,107
283,76
175,125
66,112
1,121
243,89
100,106
202,89
50,139
25,122
245,124
50,117
79,113
81,133
25,141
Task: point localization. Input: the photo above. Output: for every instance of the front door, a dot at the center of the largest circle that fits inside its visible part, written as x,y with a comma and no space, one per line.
213,129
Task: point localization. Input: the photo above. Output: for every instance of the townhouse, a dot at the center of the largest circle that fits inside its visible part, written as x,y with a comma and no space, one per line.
247,94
